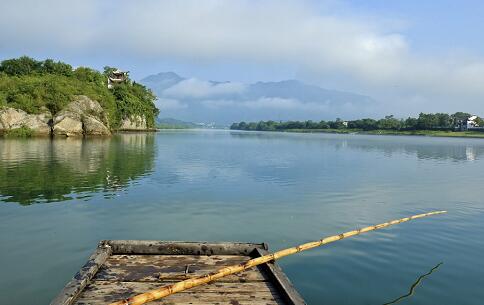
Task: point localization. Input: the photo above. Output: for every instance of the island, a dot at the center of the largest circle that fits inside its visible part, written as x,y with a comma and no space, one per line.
49,98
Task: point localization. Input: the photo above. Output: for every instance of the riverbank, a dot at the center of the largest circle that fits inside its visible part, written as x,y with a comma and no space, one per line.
428,133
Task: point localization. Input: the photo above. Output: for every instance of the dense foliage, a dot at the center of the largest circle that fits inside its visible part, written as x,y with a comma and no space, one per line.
425,121
32,86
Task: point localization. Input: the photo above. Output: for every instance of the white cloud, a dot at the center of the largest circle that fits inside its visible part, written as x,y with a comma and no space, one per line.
216,104
271,103
169,104
266,31
283,104
196,88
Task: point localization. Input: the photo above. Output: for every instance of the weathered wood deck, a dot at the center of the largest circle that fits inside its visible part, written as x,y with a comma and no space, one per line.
119,269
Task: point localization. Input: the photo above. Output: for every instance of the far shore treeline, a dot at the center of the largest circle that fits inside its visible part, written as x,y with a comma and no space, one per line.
425,121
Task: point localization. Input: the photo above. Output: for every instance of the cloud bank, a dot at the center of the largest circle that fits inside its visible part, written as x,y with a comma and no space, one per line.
298,33
196,88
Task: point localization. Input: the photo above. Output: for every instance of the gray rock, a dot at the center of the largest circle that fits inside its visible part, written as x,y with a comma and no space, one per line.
67,126
135,122
11,118
82,116
93,126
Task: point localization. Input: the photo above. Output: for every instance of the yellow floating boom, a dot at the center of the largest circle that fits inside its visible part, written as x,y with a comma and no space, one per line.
204,279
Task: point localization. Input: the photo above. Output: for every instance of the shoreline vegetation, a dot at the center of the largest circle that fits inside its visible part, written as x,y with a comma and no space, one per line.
173,127
434,125
429,133
40,98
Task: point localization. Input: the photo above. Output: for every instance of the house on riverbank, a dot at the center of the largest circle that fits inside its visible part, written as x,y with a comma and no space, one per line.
470,124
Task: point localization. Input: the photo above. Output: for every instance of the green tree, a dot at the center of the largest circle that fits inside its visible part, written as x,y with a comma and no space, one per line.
243,125
107,70
20,66
427,121
389,123
51,67
480,122
252,126
444,120
459,117
323,125
411,123
338,124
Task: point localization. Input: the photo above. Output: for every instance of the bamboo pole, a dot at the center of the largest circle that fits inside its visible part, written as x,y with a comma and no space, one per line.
204,279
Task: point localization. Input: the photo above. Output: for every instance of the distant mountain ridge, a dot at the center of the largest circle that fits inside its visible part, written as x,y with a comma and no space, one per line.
161,81
191,99
175,123
171,123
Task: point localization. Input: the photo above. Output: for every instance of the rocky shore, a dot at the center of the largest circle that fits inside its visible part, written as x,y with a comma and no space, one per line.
83,116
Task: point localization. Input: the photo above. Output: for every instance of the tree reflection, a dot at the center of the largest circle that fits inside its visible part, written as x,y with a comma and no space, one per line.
45,170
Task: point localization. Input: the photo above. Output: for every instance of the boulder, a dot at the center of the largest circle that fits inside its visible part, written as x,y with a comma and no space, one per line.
93,126
81,116
135,122
67,126
82,105
11,118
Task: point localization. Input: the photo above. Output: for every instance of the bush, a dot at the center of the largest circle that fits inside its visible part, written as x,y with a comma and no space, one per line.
22,132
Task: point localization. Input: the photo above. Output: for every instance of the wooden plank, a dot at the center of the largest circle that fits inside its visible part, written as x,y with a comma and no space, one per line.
108,286
182,248
177,260
275,272
82,278
155,268
96,294
193,301
103,292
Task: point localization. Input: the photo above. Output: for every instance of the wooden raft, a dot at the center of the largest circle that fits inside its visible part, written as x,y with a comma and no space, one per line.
119,269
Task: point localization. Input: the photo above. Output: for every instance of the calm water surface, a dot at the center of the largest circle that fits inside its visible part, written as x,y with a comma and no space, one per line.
59,198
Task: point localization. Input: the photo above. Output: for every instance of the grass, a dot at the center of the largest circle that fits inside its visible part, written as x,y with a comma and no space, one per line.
22,132
430,133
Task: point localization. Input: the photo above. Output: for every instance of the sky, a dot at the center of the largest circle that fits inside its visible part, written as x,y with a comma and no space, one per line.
410,56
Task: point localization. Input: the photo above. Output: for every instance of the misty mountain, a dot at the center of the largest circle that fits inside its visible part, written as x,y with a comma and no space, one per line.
175,123
159,82
196,100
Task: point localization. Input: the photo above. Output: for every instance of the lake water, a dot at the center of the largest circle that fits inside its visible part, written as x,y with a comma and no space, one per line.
58,198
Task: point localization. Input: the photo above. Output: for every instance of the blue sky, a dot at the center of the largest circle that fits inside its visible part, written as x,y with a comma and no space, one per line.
409,55
434,26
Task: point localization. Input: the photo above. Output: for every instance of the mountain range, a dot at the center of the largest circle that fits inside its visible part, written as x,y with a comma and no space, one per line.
195,100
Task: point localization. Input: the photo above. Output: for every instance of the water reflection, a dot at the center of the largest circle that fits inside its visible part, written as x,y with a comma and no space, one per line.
45,170
456,149
414,285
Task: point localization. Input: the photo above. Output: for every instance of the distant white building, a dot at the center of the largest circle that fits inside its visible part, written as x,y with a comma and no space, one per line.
471,122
